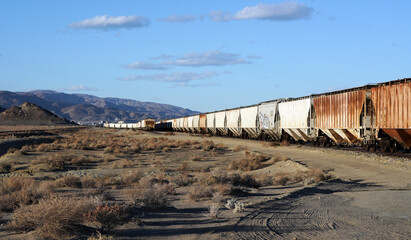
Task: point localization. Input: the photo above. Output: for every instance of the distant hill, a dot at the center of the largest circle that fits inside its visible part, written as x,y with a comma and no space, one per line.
28,113
85,108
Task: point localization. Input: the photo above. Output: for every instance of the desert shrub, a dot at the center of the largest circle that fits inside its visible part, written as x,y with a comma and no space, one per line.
183,167
107,216
53,162
307,177
213,210
89,182
196,158
182,180
199,192
244,180
251,161
279,158
22,191
69,181
51,218
131,177
151,197
239,148
5,167
222,189
80,160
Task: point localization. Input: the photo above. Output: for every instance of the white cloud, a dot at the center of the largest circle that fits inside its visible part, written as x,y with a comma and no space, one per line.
162,57
208,84
275,12
111,23
144,66
177,77
180,18
211,58
79,88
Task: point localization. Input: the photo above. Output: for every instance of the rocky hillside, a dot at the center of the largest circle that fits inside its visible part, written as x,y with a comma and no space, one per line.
85,108
29,114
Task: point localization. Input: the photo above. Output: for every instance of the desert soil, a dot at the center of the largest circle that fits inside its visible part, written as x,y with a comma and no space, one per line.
369,196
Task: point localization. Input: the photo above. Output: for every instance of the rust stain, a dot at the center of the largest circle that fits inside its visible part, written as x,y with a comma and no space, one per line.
203,121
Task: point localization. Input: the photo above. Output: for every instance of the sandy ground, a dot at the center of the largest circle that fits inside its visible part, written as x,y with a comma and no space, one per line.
369,197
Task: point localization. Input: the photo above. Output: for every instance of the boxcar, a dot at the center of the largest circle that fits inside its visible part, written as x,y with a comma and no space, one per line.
185,124
248,120
190,124
295,118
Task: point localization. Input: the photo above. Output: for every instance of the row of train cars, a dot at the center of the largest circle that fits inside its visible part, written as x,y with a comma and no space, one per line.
374,116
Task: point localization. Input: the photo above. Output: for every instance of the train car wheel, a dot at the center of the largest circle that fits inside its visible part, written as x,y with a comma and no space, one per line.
393,147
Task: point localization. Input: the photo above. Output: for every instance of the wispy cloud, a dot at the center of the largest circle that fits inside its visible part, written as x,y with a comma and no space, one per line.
208,84
254,57
111,22
79,88
285,11
144,66
176,77
180,18
220,16
162,57
210,58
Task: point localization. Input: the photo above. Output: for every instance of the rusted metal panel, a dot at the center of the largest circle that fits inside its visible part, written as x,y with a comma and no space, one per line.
203,121
220,119
392,105
339,111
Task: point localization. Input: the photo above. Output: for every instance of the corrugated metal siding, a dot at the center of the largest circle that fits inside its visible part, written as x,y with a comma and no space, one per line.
249,117
232,118
210,120
196,121
203,121
392,105
294,114
339,111
220,119
267,115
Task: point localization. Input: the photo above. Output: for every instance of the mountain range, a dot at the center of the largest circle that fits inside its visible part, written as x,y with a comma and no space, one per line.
88,109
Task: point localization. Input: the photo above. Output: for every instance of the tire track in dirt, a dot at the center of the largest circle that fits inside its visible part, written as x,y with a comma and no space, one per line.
318,213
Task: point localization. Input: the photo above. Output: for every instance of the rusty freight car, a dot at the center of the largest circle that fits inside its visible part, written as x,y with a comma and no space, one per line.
392,104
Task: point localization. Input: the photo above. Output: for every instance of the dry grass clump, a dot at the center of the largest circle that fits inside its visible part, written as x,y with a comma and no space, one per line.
239,148
54,162
307,177
196,158
151,197
131,177
80,161
182,180
22,191
107,216
271,144
198,192
5,167
219,177
279,158
251,161
168,133
70,181
52,217
213,210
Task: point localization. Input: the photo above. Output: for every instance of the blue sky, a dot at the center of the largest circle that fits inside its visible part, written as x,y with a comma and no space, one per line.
202,55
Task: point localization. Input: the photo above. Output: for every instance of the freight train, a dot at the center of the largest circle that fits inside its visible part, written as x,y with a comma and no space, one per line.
374,116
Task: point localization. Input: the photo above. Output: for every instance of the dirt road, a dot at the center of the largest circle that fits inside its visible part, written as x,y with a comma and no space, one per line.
369,199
